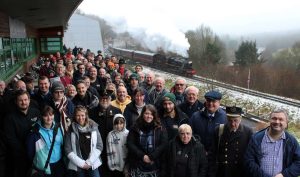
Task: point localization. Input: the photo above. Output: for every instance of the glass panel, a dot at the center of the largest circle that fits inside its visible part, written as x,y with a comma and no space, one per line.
50,45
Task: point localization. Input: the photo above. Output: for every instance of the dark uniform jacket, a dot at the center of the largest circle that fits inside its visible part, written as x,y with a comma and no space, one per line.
230,152
104,118
204,126
196,165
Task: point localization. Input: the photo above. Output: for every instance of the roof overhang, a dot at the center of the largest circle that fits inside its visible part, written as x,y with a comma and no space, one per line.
40,13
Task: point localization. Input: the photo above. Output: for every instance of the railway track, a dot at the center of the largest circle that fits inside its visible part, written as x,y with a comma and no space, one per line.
249,119
240,89
250,92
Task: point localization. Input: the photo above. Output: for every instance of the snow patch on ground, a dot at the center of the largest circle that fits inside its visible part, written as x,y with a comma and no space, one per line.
240,98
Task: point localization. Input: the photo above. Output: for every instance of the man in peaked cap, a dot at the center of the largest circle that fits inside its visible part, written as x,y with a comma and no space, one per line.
205,121
230,145
103,115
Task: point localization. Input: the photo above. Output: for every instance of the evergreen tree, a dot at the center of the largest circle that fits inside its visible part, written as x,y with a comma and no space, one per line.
246,54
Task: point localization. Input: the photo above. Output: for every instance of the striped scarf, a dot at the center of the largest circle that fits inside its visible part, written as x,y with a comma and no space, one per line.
65,122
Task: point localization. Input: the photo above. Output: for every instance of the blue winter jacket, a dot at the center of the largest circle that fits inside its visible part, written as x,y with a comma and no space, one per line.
291,156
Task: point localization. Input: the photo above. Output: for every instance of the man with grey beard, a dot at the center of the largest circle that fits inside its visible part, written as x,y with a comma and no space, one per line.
103,115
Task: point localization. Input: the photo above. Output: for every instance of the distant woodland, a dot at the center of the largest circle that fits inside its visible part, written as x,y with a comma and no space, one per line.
271,61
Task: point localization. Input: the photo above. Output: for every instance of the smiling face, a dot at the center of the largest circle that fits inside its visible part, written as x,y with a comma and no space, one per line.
48,119
212,105
168,106
148,116
81,89
185,133
278,122
80,117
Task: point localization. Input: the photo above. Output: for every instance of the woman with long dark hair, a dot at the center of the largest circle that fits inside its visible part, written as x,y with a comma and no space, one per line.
146,142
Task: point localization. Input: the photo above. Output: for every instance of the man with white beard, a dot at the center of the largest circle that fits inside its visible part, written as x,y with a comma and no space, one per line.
103,115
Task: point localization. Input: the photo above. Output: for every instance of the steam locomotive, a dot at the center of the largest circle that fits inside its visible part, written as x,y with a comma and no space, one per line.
177,65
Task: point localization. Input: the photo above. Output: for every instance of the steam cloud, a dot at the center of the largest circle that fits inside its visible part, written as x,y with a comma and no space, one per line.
154,34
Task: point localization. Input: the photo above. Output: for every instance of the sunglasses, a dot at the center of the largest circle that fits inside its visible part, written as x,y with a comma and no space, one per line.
179,84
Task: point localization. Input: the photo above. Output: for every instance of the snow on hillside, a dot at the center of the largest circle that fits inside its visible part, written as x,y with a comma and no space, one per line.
256,104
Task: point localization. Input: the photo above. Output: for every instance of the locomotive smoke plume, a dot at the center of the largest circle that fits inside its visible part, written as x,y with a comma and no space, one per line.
154,33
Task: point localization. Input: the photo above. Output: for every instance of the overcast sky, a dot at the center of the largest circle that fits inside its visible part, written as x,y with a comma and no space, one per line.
223,16
162,23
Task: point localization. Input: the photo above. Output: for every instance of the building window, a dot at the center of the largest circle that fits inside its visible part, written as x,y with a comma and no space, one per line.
14,51
51,45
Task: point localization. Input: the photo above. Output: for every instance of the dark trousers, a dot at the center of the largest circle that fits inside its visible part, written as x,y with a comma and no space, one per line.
58,169
117,173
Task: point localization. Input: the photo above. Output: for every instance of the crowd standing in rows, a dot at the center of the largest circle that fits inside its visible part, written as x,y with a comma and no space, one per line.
90,115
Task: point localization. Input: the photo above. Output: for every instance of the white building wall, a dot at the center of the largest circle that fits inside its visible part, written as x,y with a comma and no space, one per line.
83,32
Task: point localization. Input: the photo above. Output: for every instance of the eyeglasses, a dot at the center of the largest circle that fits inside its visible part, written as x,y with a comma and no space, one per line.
59,92
179,84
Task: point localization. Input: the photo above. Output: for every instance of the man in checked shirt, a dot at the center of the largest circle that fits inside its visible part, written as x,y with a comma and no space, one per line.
273,152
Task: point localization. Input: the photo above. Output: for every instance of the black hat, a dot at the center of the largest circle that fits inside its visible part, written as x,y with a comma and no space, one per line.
104,93
56,86
99,51
234,111
213,95
28,79
122,61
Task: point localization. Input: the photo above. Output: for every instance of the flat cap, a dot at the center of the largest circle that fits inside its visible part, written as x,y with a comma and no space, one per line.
213,95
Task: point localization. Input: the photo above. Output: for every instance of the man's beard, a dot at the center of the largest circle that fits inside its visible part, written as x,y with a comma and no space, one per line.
104,105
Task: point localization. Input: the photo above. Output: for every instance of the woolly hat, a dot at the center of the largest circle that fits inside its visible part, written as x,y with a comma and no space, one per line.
57,86
169,97
134,76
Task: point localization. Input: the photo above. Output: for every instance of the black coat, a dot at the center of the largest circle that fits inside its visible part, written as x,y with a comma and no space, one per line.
196,163
135,151
131,115
104,118
172,124
189,110
230,152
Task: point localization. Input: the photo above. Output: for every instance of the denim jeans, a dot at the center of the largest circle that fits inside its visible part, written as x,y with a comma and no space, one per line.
88,173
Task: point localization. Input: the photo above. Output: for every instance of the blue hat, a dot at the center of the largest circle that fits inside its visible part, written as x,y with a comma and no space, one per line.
213,95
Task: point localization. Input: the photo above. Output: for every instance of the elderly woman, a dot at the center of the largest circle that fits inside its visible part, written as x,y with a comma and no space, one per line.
39,143
83,145
146,142
185,155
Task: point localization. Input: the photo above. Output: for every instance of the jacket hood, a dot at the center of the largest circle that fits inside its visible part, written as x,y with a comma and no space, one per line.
117,116
127,100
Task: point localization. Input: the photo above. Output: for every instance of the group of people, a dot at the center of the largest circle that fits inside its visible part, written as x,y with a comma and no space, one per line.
92,116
